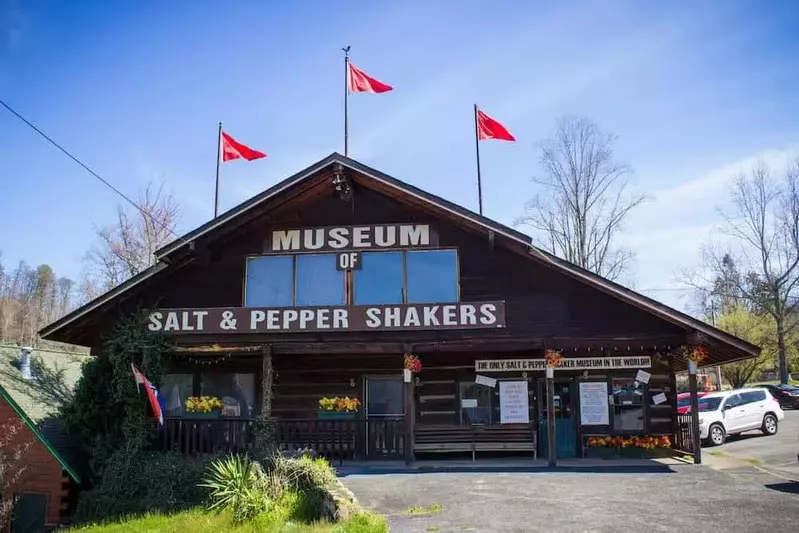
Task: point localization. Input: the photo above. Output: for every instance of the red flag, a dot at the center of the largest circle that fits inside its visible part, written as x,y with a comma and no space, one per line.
156,400
232,149
488,128
359,81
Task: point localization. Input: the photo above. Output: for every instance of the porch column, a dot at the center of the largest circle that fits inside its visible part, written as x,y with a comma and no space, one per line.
551,442
697,444
410,417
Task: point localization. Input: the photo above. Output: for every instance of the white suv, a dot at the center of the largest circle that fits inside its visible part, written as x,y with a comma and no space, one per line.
732,412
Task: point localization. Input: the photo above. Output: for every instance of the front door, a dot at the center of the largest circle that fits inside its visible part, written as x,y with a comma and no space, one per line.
385,415
565,419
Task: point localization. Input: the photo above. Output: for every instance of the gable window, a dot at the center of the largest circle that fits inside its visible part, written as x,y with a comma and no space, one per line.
270,281
391,277
379,280
318,281
432,276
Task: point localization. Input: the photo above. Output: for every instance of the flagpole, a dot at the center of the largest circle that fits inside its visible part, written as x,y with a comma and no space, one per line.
477,151
218,161
346,97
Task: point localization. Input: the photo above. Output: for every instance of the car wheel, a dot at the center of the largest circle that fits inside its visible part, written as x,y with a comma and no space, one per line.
769,424
715,435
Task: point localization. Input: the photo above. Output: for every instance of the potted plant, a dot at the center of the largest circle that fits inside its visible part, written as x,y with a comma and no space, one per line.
336,408
203,407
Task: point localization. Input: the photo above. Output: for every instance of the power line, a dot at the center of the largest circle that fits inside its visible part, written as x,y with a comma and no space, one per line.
86,168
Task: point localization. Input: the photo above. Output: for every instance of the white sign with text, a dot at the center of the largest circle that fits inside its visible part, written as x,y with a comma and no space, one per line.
513,404
594,403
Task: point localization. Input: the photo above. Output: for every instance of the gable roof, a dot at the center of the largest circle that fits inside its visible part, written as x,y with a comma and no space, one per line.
37,401
164,254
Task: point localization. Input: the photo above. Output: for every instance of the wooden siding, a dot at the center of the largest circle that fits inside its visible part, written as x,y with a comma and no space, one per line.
42,473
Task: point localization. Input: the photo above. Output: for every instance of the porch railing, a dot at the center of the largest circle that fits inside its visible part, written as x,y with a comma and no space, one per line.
684,435
334,439
199,436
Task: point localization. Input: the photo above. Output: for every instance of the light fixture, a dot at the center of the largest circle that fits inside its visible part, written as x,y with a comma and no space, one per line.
352,382
341,183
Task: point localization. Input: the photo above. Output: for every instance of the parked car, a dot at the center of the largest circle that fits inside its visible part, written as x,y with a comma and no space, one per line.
726,413
787,395
684,402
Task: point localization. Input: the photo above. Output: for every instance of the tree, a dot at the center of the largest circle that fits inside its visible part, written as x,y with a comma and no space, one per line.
757,329
127,247
13,447
584,199
764,226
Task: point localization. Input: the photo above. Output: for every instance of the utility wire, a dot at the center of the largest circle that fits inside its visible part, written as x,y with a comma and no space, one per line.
86,168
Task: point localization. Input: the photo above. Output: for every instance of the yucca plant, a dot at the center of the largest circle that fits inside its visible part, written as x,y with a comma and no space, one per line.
237,484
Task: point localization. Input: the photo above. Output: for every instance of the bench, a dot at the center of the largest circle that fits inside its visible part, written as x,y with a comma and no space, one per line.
452,439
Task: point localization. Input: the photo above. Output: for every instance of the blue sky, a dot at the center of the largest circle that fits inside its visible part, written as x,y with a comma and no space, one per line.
694,90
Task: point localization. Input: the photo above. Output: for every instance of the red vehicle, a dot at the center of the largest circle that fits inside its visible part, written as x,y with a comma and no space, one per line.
684,402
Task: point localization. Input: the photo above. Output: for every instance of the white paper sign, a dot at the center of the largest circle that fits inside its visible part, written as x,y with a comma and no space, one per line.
468,402
485,380
513,406
658,399
406,374
594,403
642,376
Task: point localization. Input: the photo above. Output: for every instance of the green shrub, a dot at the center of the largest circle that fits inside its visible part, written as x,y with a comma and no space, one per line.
305,474
239,485
143,482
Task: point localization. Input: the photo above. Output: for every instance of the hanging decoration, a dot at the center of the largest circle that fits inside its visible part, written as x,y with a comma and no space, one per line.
206,361
412,363
554,358
696,354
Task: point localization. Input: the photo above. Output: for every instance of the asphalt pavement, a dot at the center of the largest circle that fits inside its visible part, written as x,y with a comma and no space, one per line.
678,498
776,452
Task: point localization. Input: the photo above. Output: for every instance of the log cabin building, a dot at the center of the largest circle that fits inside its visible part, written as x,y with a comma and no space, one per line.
321,285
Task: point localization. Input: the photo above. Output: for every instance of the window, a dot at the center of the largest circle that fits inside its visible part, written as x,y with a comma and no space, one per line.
384,397
237,392
432,276
380,279
733,401
318,281
753,396
482,413
176,388
628,405
269,282
417,276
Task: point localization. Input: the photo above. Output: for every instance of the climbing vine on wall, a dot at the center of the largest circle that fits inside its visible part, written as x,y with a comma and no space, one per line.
107,411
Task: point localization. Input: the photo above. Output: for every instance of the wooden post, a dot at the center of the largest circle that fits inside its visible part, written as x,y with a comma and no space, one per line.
267,378
410,421
551,441
694,413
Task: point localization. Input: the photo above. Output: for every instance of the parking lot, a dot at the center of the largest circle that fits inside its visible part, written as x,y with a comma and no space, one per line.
775,452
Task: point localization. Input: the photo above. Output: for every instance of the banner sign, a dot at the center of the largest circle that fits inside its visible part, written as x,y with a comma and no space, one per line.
344,238
406,317
513,404
576,363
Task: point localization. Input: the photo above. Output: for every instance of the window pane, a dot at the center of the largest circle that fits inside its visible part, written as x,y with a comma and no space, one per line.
270,282
379,281
628,418
384,397
176,388
481,414
237,392
318,281
626,393
432,276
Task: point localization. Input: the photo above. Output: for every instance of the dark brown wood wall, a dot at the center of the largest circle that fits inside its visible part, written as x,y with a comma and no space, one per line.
540,302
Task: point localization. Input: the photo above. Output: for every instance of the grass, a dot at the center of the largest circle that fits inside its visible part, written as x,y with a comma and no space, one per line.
200,521
432,528
418,510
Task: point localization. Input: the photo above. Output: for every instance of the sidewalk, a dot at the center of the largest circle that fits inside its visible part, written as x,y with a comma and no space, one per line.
621,465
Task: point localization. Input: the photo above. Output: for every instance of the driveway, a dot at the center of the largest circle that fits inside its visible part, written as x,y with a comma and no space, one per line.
778,451
684,497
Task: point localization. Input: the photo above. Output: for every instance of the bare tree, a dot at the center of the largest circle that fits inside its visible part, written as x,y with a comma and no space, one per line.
127,247
764,225
13,446
584,198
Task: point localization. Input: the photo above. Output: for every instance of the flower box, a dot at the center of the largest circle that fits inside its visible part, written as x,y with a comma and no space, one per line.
337,415
214,413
